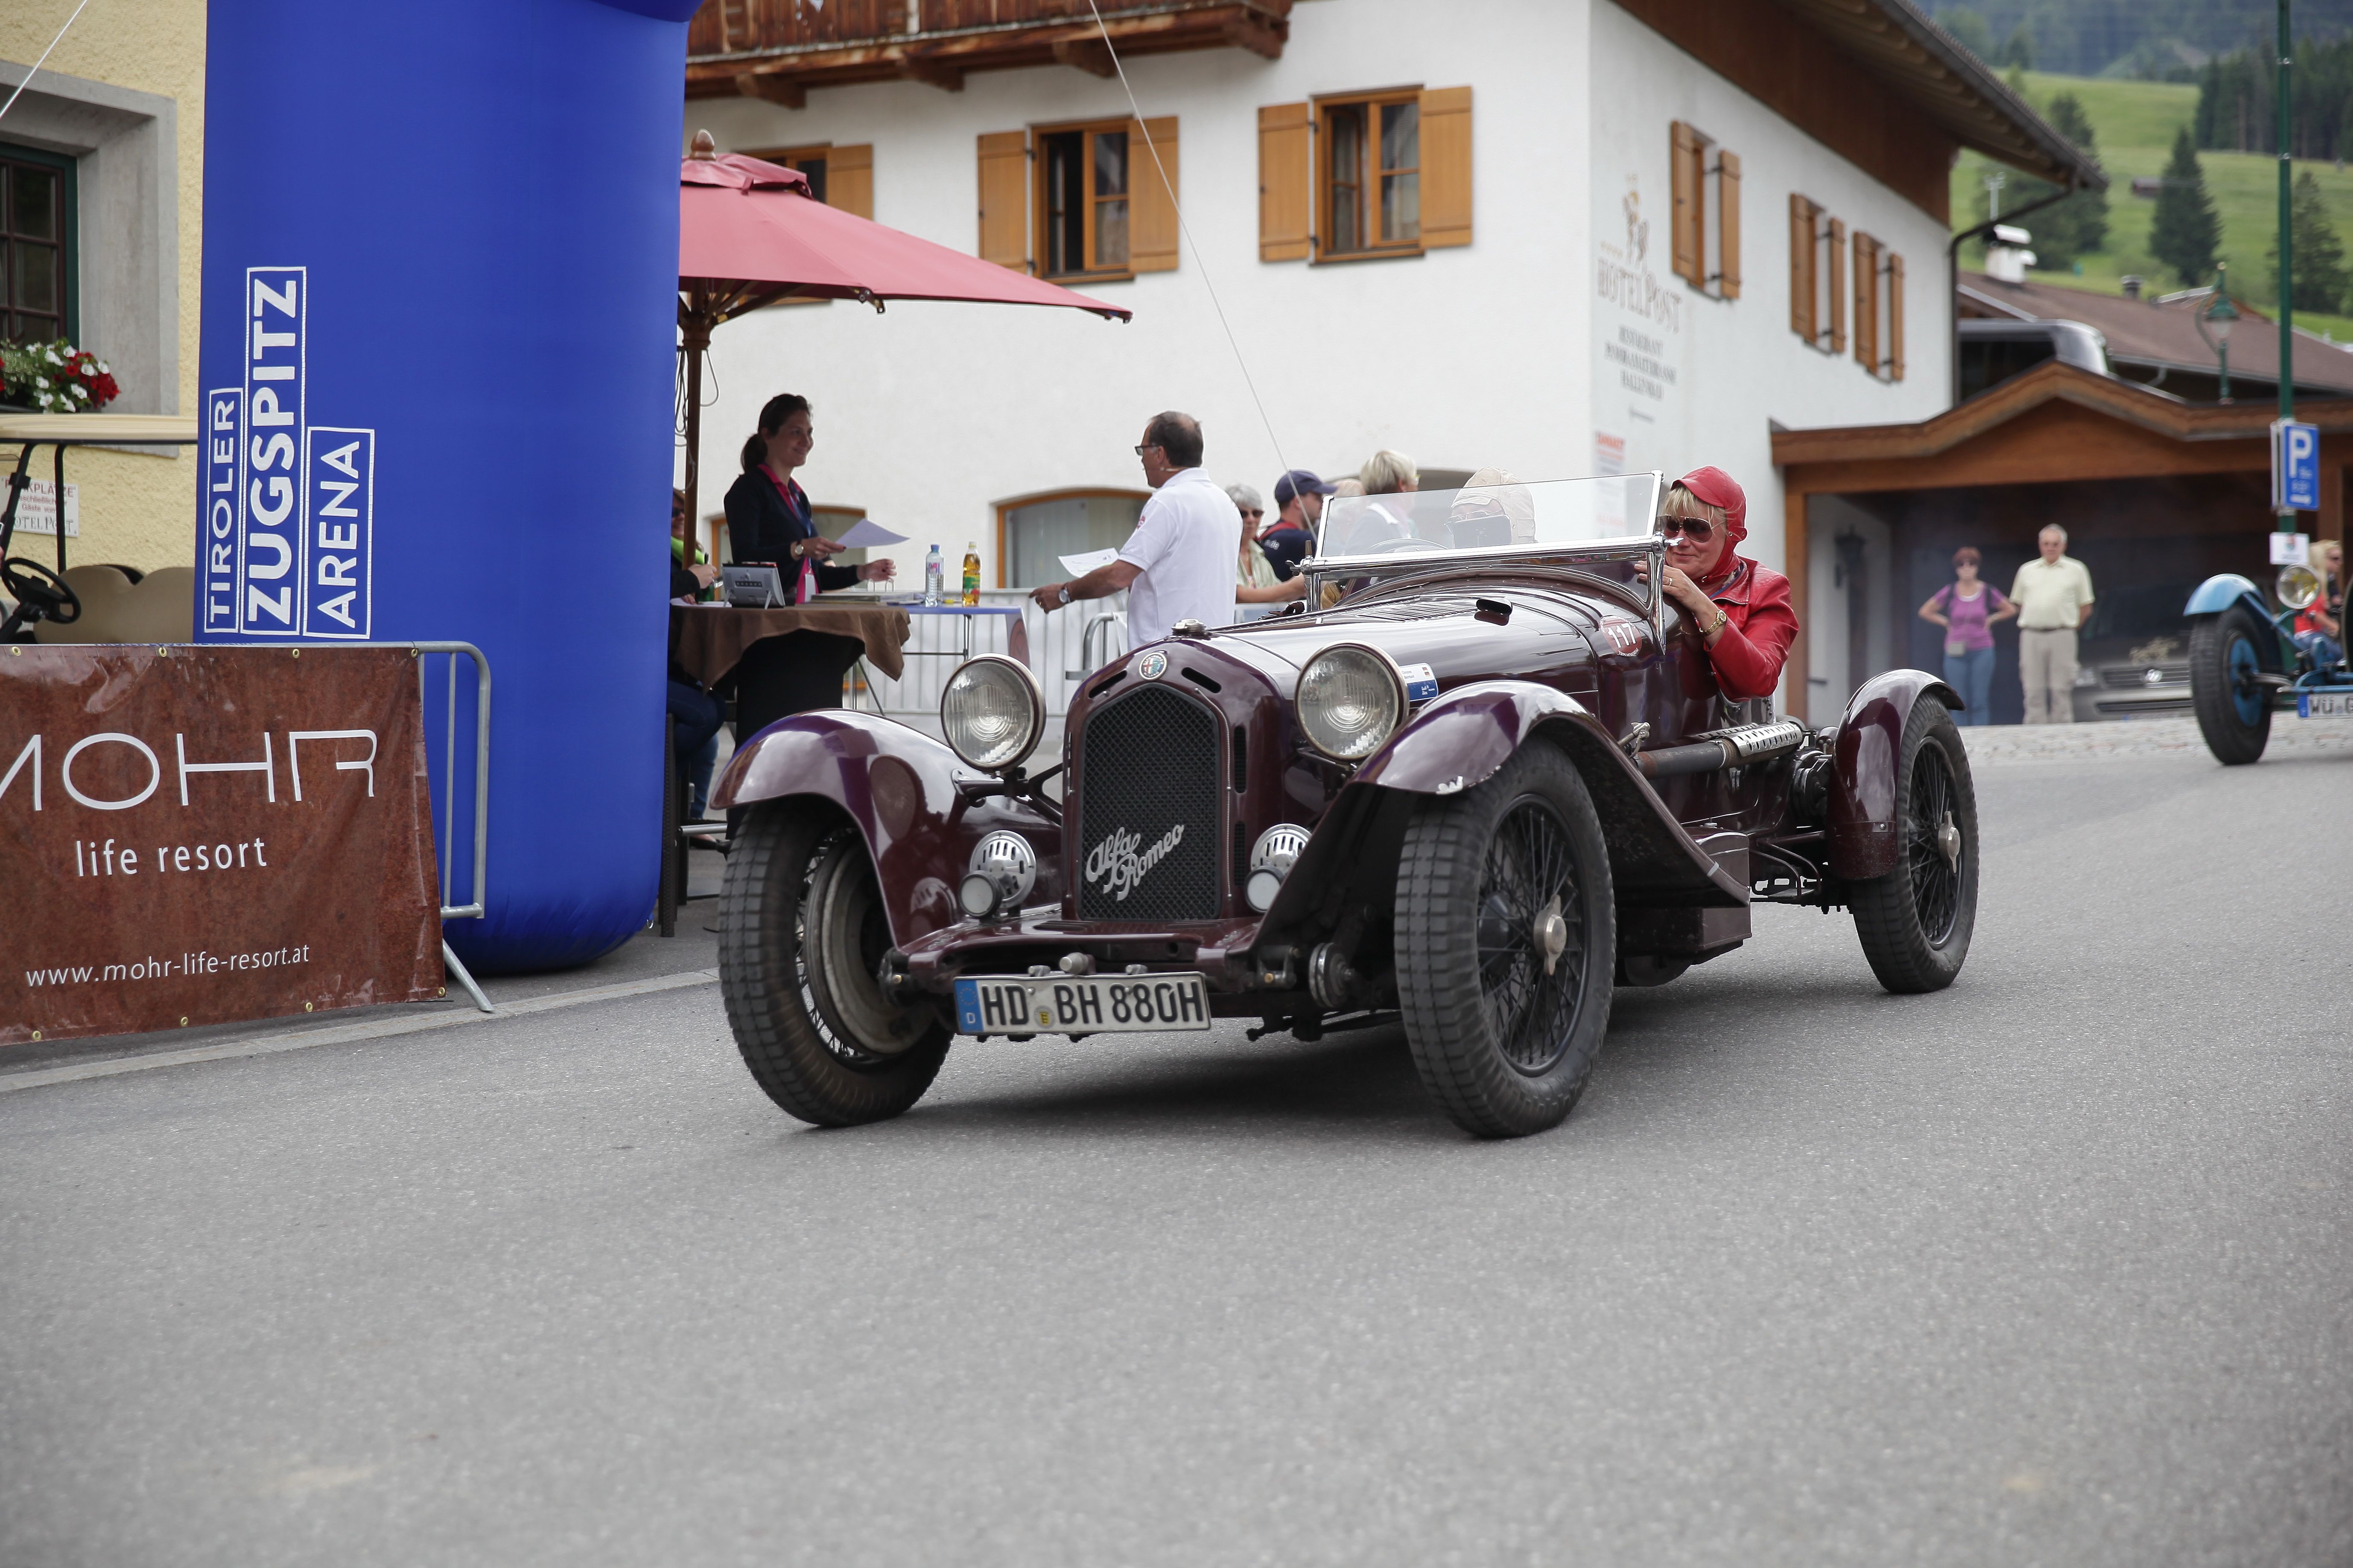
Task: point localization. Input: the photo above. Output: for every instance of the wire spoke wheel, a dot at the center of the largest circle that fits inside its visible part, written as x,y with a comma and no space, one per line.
1506,935
1914,920
1530,992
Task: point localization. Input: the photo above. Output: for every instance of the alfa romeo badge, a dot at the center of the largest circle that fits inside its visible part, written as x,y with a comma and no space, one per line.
1155,665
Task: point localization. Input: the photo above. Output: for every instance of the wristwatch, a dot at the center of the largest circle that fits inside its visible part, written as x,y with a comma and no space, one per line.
1066,592
796,548
1722,620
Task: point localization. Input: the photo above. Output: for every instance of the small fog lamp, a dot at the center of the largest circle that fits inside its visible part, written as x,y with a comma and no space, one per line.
1277,851
1002,871
1351,698
992,712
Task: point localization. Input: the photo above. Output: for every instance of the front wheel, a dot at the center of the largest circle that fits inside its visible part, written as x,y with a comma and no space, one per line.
1914,922
802,935
2234,708
1506,939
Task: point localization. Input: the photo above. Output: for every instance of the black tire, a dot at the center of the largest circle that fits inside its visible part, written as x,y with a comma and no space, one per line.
2237,723
801,934
1916,921
1503,1045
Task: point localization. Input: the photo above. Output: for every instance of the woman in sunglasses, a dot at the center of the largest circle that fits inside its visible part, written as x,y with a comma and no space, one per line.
1740,609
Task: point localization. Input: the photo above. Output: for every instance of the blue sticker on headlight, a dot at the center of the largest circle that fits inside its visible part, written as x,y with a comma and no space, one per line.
1420,682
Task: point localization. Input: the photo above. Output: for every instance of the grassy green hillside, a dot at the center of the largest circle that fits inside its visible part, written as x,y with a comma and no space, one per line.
2136,122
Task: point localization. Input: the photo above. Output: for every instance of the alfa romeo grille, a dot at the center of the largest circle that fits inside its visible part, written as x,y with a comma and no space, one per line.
1148,810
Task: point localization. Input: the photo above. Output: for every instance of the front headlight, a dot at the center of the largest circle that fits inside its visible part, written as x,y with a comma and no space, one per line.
1351,698
993,711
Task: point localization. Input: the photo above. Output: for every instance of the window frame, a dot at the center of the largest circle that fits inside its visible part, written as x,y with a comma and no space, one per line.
67,169
1323,145
1041,198
1006,509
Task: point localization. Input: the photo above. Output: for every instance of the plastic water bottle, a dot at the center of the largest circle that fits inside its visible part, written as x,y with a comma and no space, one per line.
971,573
934,577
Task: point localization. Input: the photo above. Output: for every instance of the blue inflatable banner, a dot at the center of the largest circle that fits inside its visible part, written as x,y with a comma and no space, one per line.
439,348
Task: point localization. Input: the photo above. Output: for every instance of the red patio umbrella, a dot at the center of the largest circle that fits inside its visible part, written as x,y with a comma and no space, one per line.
749,234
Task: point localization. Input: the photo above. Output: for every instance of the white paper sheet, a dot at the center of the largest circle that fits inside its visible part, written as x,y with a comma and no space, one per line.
1080,565
865,533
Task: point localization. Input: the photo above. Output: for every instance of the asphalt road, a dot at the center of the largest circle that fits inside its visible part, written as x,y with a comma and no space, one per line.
2052,1268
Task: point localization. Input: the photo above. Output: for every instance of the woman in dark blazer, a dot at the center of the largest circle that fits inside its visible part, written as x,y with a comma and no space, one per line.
768,516
769,522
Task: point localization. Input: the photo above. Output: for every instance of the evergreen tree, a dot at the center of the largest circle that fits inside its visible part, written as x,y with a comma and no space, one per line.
1967,28
2018,49
2318,276
2185,231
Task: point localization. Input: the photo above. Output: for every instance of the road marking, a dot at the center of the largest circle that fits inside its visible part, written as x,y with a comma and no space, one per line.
376,1029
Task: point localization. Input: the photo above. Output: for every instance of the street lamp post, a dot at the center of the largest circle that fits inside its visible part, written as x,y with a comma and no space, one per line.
2215,321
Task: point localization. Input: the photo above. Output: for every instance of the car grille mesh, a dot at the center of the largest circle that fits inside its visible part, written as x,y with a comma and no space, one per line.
1147,768
2134,677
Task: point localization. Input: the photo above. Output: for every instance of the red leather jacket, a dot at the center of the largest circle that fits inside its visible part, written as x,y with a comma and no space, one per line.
1759,628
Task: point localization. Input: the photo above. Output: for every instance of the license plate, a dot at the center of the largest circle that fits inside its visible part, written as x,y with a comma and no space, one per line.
1081,1004
2323,704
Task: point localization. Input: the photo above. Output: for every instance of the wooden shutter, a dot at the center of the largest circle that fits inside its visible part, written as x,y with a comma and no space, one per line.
1153,238
1838,286
1286,183
1728,224
1866,302
1802,285
1004,198
1686,224
850,179
1895,318
1445,166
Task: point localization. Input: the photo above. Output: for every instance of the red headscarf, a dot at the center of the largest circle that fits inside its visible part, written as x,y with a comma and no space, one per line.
1717,488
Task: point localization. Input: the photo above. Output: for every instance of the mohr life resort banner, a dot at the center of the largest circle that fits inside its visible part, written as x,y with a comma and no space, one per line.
196,834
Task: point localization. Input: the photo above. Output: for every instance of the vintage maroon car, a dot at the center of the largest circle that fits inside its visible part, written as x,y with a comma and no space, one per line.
1479,775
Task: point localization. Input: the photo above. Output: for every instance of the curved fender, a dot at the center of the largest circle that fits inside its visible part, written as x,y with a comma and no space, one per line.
1862,836
1458,742
2224,589
899,785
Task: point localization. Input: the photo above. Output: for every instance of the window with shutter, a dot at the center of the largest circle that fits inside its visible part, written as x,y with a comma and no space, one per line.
1895,318
1866,301
1286,201
850,180
1804,289
1005,199
1727,225
1089,183
1835,241
1368,175
1154,236
1686,179
1445,168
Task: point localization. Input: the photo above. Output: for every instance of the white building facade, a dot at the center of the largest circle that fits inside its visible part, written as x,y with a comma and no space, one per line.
1558,239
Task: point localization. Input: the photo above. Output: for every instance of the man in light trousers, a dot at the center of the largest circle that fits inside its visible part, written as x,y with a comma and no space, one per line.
2053,595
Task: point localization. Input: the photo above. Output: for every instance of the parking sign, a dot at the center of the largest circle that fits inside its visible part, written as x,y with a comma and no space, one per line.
2295,466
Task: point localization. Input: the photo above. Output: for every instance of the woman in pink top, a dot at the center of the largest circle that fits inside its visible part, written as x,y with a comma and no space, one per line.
1968,610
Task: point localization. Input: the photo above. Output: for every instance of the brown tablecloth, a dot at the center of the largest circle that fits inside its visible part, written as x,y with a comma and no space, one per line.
711,637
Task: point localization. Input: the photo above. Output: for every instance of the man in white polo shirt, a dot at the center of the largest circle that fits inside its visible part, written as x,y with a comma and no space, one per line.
2053,594
1179,564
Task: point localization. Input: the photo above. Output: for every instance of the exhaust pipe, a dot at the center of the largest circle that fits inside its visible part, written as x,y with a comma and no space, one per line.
1750,744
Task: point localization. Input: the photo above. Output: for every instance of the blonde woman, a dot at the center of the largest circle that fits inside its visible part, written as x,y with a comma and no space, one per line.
2320,626
1384,473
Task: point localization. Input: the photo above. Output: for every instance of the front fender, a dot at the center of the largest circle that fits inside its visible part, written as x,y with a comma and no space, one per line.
1862,836
2224,589
1456,742
898,785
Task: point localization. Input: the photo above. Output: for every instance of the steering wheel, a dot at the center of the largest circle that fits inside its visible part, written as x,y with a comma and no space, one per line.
40,594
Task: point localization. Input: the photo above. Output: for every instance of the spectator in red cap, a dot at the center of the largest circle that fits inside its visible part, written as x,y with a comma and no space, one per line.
1740,609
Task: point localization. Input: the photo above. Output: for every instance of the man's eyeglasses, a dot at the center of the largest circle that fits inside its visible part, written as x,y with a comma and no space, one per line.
1148,446
1696,530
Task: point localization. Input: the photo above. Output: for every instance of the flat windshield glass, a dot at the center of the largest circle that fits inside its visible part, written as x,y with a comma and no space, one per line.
1493,512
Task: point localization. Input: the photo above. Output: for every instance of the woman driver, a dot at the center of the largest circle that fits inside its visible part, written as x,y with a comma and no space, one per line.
1740,609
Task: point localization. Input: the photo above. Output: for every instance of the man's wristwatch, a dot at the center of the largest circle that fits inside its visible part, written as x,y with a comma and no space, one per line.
1065,593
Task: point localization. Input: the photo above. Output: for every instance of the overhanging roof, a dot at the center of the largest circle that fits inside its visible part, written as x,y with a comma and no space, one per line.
1896,42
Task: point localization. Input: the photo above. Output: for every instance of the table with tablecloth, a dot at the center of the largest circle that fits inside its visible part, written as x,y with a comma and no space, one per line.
785,661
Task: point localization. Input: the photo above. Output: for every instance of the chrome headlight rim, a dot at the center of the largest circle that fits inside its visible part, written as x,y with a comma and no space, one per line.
1026,679
1398,706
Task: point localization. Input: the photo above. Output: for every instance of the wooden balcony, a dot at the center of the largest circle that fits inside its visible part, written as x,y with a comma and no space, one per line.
778,50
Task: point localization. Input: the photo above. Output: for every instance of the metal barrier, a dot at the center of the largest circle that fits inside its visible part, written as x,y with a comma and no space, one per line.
473,909
1066,645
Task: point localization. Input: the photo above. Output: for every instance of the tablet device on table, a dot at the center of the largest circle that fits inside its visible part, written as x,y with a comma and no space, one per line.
755,587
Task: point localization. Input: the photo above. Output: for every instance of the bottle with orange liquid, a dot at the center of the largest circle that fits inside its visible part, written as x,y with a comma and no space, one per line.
971,573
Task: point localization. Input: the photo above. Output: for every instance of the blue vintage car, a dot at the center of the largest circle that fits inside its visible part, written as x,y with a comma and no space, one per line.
2244,665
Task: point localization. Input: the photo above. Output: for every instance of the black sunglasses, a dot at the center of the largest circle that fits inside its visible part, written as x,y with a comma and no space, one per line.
1696,530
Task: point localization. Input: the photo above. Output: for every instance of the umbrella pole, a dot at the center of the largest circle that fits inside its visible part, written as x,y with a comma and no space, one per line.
696,325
